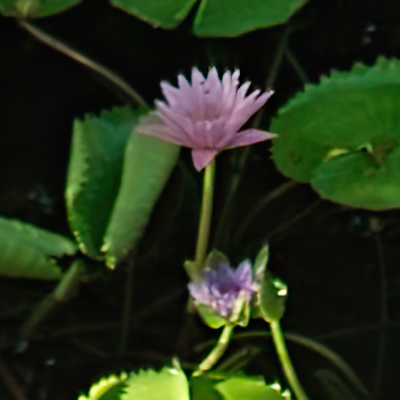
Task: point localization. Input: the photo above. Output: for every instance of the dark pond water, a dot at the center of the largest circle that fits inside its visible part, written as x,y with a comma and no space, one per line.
341,264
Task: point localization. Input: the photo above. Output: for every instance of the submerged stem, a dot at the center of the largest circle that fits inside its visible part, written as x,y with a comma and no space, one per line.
287,366
205,215
217,351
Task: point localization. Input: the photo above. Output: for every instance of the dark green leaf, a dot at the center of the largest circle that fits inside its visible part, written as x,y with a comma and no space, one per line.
369,185
34,8
48,242
203,388
26,251
148,163
94,173
168,384
234,17
343,134
214,17
272,298
164,13
249,388
209,316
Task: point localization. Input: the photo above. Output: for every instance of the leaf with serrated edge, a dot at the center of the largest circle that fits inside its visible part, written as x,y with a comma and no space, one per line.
110,388
20,259
168,384
26,251
348,113
159,13
367,186
235,17
49,243
213,17
34,8
148,163
250,388
94,173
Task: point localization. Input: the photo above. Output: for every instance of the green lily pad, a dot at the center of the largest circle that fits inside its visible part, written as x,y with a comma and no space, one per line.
34,8
94,173
148,163
342,136
28,252
168,384
250,388
213,17
235,386
235,17
164,13
369,185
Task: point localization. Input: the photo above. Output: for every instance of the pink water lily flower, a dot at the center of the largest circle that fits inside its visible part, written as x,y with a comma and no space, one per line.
206,115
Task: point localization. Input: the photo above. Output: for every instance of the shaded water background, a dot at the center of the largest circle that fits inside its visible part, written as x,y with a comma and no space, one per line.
341,264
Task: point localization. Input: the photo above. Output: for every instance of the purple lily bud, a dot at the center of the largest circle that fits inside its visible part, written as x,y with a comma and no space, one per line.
206,115
222,286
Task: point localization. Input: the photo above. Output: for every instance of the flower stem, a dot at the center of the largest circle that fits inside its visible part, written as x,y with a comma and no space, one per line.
217,351
205,215
280,346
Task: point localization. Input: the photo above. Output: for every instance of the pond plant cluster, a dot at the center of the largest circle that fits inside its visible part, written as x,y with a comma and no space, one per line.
171,207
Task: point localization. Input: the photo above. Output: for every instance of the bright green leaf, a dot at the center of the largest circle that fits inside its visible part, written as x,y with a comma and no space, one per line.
164,13
342,135
168,384
94,173
148,163
214,17
235,17
26,251
368,185
48,242
21,260
272,298
209,316
250,388
34,8
110,388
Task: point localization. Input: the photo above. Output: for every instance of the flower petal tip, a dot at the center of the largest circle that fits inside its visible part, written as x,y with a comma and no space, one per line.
202,157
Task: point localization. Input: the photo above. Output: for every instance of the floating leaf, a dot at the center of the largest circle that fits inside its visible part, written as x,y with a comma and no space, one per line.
168,384
356,180
148,163
34,8
214,17
165,13
94,173
342,136
234,17
26,251
250,388
234,386
110,388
